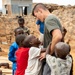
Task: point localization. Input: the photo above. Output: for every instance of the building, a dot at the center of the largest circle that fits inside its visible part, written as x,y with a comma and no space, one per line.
16,7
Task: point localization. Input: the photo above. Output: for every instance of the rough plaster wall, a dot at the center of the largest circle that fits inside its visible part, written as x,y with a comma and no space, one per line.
8,3
4,2
21,2
15,5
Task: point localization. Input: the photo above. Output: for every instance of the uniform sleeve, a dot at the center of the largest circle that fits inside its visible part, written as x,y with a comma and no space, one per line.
34,52
11,55
51,24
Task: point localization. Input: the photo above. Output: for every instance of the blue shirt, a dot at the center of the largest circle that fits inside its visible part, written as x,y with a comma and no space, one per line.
41,26
11,55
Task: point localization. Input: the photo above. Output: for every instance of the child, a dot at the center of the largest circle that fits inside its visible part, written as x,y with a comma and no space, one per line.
34,65
28,56
21,25
62,63
13,48
21,55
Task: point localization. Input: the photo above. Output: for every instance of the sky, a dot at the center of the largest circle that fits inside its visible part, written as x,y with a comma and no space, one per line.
59,2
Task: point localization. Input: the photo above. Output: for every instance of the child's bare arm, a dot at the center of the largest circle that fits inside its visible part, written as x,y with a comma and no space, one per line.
42,54
43,50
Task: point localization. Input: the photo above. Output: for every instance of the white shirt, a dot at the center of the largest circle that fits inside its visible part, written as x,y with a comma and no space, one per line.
34,65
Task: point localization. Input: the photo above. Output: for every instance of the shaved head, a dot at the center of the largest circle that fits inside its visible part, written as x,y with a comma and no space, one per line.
62,49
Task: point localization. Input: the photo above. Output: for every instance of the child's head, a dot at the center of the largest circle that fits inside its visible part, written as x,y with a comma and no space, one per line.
62,50
18,31
20,39
31,41
21,22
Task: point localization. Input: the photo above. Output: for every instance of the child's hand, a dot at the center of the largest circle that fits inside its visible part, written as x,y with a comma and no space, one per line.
42,56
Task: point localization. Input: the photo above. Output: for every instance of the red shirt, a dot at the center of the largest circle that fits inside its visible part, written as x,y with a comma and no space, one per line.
22,60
